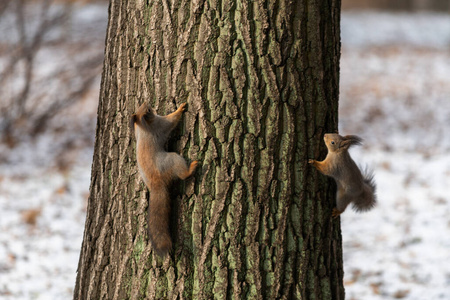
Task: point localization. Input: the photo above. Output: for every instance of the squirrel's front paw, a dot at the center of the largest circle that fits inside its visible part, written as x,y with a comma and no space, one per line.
335,213
311,161
182,107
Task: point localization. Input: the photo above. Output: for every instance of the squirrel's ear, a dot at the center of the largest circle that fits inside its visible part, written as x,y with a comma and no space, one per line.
350,140
146,120
150,110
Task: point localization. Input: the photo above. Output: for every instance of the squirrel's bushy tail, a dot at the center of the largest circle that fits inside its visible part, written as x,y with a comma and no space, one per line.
368,199
158,219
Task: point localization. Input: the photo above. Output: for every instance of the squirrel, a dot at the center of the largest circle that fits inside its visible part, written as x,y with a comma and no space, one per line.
158,168
352,185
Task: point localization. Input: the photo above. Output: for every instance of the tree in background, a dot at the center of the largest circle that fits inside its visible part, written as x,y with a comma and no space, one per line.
261,81
33,95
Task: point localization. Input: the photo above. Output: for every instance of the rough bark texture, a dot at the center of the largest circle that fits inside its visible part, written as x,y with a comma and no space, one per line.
261,82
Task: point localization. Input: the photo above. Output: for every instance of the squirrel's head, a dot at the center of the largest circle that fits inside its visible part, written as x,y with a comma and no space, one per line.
143,117
336,142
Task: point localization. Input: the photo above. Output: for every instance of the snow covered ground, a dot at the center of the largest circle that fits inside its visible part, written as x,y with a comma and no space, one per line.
395,90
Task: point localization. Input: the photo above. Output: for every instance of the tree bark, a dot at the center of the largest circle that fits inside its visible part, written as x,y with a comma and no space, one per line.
261,80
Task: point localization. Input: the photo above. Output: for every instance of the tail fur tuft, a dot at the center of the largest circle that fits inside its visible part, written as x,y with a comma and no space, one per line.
351,140
369,198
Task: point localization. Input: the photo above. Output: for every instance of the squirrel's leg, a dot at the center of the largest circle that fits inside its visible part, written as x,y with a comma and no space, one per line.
180,168
335,213
174,117
319,165
191,169
342,201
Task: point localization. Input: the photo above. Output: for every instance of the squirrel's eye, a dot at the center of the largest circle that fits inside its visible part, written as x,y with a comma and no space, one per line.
332,142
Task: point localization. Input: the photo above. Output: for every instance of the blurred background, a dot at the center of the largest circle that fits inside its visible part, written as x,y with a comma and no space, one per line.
395,93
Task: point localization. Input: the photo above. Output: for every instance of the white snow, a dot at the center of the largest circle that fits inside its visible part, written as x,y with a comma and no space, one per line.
40,260
395,88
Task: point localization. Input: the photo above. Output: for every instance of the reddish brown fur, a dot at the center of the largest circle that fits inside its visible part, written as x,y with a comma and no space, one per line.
158,168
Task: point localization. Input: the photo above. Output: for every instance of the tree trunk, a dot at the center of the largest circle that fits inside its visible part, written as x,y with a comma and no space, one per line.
261,81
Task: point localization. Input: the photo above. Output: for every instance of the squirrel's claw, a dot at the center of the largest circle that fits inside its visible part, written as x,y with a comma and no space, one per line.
194,164
335,213
182,107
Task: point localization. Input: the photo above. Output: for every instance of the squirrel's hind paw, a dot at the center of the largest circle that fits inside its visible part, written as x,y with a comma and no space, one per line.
182,107
192,167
